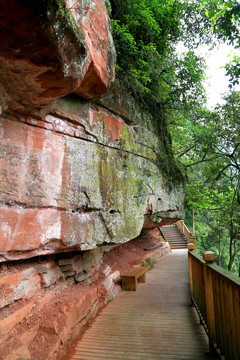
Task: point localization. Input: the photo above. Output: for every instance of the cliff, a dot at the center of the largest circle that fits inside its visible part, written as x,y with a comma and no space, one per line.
80,164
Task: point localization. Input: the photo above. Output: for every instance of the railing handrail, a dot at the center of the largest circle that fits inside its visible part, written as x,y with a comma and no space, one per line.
223,272
226,274
197,256
182,226
185,231
215,292
186,227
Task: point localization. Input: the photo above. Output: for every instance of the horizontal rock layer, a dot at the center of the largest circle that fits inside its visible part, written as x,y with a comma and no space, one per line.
46,301
77,178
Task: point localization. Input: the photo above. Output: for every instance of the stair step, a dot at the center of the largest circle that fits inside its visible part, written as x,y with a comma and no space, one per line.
183,240
177,242
172,245
175,239
180,243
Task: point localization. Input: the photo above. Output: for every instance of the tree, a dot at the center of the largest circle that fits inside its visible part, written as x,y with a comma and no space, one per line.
169,85
224,19
146,33
209,153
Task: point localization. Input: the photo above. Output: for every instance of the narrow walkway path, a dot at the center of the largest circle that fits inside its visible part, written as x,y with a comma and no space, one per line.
155,322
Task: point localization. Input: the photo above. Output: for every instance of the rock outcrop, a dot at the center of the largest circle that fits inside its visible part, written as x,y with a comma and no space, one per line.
77,178
85,173
46,301
52,48
80,172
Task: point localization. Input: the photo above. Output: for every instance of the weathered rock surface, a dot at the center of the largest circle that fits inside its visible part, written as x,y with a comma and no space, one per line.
52,48
61,189
78,176
42,307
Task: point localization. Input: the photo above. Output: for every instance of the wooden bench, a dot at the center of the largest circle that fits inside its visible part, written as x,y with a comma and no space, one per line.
130,279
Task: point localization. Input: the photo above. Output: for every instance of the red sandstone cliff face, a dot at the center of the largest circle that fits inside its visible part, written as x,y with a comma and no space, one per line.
45,302
52,48
75,179
76,171
80,175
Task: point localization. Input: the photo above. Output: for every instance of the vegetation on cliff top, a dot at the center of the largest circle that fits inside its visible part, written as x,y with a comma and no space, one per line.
170,86
145,35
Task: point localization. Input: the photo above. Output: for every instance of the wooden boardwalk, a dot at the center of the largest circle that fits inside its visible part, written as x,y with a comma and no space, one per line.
155,322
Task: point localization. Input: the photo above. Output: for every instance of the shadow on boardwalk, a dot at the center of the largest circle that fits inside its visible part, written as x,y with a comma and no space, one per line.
155,322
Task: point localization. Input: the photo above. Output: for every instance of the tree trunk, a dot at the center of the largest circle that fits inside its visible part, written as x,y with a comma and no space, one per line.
230,264
231,256
193,220
219,251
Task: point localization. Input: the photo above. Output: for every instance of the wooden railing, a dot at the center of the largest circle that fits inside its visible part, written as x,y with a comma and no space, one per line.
186,232
215,292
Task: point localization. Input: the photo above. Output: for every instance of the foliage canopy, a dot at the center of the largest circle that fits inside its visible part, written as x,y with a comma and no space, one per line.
146,33
207,146
170,85
224,19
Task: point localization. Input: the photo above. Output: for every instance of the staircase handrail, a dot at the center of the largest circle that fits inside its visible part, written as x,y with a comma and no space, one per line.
185,231
185,226
161,233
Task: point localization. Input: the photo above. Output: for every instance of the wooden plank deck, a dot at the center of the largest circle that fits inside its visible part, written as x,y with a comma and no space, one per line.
155,322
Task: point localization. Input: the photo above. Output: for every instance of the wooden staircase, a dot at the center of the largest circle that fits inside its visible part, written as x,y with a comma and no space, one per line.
175,239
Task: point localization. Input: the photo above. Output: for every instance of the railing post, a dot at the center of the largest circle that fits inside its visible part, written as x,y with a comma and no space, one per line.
182,227
193,239
190,264
209,258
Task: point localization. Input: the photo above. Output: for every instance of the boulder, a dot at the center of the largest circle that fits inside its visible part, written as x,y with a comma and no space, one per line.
52,48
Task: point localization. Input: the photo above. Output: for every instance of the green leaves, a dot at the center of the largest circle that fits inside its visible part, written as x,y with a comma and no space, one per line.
170,85
224,18
146,33
207,144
